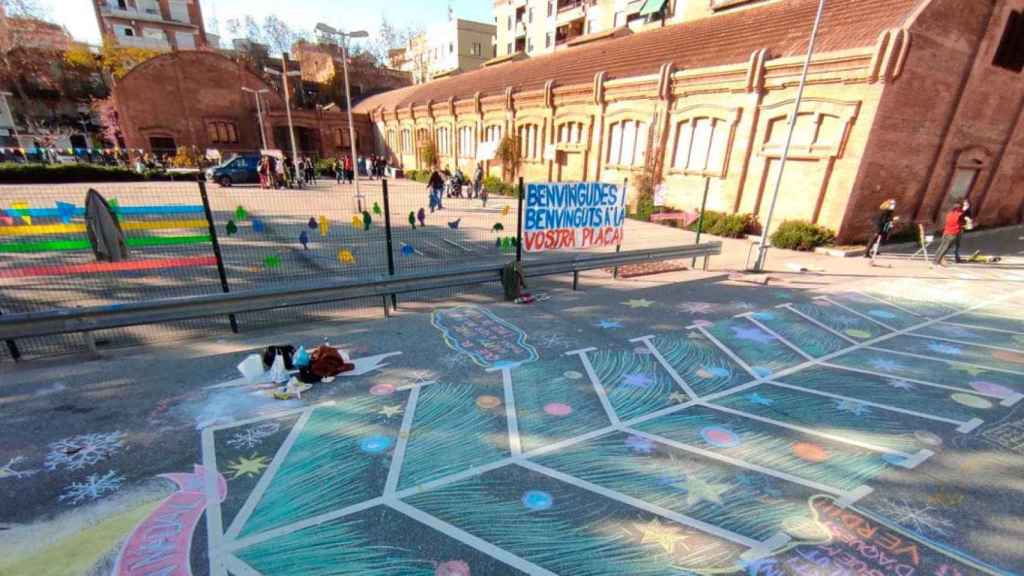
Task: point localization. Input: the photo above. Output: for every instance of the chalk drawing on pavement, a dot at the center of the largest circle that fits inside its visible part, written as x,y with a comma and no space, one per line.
83,451
488,340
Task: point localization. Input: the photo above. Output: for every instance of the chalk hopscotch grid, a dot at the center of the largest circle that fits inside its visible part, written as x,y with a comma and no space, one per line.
221,553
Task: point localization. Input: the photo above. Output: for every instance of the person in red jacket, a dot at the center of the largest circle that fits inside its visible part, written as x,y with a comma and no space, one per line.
951,231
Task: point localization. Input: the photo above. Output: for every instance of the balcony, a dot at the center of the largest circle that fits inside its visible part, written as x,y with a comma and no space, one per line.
569,10
143,42
130,13
568,31
520,29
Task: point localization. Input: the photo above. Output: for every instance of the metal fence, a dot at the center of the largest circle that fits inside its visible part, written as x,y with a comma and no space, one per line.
189,238
264,237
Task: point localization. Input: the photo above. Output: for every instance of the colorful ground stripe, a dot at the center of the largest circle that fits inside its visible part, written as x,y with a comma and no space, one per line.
69,245
123,210
40,230
101,267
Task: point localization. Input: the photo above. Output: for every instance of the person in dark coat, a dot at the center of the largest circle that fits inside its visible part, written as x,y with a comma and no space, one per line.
884,223
435,187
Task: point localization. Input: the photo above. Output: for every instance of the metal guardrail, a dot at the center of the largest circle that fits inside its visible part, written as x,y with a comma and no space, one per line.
64,321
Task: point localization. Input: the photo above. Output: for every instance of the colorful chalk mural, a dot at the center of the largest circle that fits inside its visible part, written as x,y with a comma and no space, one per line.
477,332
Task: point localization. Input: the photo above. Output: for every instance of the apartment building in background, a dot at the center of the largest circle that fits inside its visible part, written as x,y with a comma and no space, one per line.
445,49
534,27
152,24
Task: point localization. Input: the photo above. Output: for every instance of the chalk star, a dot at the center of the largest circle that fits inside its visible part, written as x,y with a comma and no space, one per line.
853,407
664,535
639,303
699,490
637,380
901,385
389,411
696,307
972,370
752,334
678,397
609,324
756,398
248,466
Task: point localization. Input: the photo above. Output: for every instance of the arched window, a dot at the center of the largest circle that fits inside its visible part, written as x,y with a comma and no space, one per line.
529,142
627,143
701,145
467,142
444,142
570,133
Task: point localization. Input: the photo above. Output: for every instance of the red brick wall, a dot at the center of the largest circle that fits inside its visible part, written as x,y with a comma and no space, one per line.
948,103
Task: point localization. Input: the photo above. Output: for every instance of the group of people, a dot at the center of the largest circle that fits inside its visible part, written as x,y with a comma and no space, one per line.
956,221
373,167
277,173
455,183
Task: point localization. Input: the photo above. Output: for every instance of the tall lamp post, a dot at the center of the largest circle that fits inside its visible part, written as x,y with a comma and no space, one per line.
284,74
762,250
5,106
330,32
259,112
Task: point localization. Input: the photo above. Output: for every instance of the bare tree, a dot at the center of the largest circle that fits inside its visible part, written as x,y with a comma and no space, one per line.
273,32
24,8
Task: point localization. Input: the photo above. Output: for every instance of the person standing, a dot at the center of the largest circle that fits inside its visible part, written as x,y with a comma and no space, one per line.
348,169
339,169
954,225
435,185
884,223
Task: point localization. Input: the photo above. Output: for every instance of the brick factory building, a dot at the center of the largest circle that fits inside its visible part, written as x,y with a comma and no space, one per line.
195,98
920,100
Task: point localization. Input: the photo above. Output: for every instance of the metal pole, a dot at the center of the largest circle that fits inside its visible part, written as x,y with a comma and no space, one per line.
519,222
259,114
12,346
700,220
762,250
618,245
387,236
288,107
351,126
216,247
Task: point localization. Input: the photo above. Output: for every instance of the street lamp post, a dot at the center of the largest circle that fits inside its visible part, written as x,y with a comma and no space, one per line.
259,113
284,74
14,123
329,31
762,250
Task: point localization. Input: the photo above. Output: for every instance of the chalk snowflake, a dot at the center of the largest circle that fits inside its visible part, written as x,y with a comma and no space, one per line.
253,436
696,307
921,519
884,364
553,340
423,377
901,385
454,360
853,407
8,471
943,348
94,487
78,452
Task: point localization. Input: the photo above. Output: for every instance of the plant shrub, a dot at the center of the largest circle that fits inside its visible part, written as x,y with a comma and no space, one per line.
495,185
15,173
725,225
801,235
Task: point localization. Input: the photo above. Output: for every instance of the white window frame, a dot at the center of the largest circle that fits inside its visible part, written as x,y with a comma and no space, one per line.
701,146
467,142
627,143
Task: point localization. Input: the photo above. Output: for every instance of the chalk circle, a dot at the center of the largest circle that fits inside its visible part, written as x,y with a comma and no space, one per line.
720,437
859,334
991,388
488,402
804,528
572,375
810,452
558,409
929,438
761,371
971,401
382,390
884,314
537,500
375,444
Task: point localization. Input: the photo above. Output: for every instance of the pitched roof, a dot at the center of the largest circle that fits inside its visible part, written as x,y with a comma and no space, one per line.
782,27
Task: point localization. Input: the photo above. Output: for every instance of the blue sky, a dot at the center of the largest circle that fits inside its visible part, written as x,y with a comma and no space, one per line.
79,18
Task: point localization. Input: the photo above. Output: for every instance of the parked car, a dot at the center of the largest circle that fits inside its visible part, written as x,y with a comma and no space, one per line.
241,169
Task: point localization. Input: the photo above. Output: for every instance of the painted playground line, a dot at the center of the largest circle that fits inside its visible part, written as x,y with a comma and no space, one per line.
707,450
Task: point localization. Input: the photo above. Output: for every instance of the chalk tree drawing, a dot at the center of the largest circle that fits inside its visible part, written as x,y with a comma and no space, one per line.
82,451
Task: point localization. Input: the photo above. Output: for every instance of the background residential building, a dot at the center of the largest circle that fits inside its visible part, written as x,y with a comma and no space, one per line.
445,49
535,27
152,24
